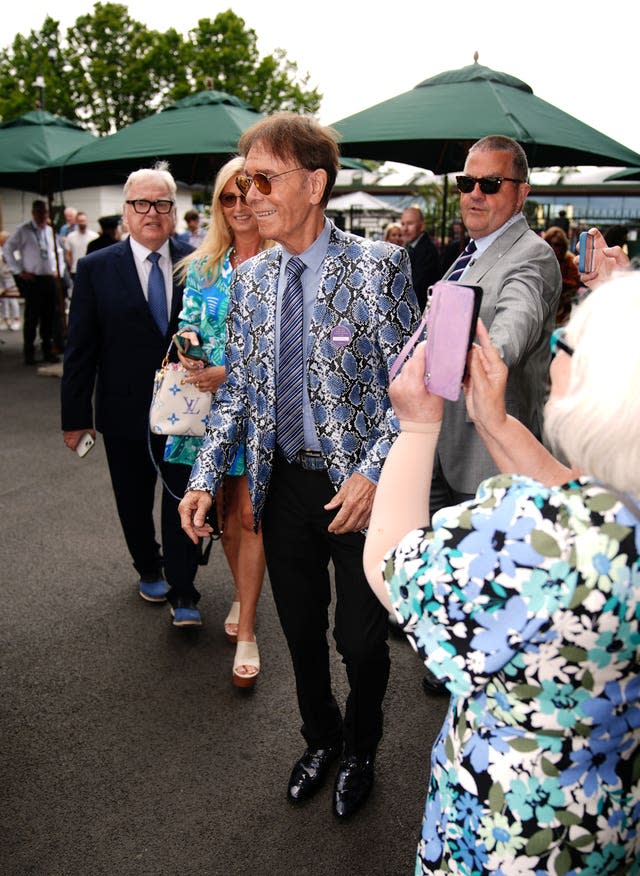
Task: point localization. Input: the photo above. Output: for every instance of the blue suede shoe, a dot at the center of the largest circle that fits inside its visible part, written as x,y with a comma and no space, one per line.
185,614
153,591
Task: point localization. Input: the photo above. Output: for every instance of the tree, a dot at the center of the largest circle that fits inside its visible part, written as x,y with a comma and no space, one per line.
115,60
28,58
225,52
111,70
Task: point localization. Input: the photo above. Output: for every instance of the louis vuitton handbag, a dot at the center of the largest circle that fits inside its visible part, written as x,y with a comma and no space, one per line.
177,407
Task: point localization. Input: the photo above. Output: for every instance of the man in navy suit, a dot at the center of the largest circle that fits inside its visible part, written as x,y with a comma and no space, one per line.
124,311
425,261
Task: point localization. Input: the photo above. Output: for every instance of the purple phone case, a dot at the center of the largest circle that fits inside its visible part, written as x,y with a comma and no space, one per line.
449,327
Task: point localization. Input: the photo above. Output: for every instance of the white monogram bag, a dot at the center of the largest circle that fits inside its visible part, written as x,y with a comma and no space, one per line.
177,407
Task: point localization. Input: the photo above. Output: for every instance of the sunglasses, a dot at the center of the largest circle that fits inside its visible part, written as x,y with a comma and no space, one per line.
141,205
229,200
489,185
261,181
557,342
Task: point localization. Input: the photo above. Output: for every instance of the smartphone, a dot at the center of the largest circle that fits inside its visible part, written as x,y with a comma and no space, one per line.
188,349
586,252
85,444
451,328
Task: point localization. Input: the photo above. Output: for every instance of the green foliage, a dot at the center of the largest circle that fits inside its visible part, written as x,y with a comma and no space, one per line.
433,195
29,57
110,70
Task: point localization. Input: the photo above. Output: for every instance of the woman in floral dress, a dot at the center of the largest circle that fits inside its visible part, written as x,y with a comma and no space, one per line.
526,602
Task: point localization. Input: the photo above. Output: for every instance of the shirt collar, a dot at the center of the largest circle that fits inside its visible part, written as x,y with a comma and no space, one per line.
314,255
483,243
141,252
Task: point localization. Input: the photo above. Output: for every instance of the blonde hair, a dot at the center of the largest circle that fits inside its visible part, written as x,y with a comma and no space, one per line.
596,425
218,238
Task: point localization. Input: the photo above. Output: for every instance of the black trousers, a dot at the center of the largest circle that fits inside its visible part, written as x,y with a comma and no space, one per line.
39,308
134,477
298,549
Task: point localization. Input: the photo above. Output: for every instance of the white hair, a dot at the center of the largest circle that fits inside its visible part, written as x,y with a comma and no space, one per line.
160,169
596,424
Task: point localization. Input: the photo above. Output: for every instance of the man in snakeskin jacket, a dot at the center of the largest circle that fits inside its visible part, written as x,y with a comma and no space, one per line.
313,497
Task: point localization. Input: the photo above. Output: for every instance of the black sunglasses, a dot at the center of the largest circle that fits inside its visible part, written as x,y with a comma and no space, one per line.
489,185
141,205
260,180
229,200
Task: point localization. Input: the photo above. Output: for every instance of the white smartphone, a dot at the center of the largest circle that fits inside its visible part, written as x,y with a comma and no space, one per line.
85,444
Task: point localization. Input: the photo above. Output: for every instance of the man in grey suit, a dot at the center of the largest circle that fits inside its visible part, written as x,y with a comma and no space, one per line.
521,283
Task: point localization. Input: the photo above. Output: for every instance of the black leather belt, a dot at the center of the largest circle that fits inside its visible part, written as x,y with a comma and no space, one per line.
309,460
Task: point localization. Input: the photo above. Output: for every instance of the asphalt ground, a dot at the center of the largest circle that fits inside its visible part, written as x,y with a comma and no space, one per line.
125,747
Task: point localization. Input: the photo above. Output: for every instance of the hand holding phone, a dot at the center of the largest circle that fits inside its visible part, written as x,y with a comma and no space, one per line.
189,349
85,444
586,252
451,328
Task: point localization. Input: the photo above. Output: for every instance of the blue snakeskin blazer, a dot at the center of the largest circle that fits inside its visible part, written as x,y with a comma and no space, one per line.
366,289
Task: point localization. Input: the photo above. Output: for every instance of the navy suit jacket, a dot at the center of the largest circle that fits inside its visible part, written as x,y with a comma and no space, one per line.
114,345
425,267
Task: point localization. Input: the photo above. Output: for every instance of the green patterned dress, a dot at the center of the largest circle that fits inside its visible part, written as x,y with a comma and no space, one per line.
204,310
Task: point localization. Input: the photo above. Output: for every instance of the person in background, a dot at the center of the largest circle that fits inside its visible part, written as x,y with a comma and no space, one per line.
9,294
425,262
194,235
33,256
110,233
123,314
69,224
76,243
393,234
525,601
232,238
559,243
316,322
458,239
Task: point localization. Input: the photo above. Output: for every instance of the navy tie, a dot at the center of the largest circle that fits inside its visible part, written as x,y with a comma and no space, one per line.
157,293
289,423
462,261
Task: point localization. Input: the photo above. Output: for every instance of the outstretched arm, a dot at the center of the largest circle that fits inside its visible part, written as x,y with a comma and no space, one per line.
513,447
401,502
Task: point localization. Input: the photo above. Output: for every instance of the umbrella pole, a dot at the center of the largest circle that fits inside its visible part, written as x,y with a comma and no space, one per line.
59,274
443,228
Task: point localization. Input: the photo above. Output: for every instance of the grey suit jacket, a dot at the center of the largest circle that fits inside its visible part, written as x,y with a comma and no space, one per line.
521,283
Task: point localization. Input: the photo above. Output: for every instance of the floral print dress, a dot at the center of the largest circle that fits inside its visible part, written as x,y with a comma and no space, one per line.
526,602
205,303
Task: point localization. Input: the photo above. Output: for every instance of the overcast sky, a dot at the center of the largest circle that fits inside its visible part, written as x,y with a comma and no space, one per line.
361,53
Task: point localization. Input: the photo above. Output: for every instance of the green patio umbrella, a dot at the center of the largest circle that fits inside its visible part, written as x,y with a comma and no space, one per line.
196,135
629,174
433,125
29,145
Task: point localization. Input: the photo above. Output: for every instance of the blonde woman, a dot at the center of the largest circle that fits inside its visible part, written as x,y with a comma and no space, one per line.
232,238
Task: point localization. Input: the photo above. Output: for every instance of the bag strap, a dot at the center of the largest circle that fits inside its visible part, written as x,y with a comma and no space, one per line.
216,534
413,340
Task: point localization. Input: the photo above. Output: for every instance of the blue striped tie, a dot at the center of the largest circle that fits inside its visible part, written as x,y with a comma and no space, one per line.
289,423
462,261
157,293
